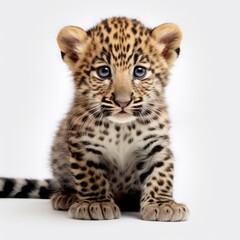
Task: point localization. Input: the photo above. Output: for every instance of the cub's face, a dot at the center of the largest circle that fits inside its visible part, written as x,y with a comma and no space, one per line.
120,67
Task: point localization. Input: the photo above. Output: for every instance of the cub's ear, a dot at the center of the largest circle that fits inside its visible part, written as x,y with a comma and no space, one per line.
72,42
169,36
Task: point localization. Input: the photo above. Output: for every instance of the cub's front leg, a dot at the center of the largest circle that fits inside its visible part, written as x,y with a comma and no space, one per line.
157,202
93,198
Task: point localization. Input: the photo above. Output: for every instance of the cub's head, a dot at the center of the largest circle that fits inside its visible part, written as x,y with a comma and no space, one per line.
120,67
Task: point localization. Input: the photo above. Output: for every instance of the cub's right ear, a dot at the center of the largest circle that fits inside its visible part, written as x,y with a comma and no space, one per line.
72,42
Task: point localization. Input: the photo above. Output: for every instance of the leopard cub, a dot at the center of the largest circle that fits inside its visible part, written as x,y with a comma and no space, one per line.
112,150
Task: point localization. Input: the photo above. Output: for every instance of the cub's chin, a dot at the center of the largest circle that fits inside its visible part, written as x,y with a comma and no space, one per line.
122,118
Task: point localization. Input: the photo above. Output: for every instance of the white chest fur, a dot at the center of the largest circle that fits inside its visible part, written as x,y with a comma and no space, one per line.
121,149
122,145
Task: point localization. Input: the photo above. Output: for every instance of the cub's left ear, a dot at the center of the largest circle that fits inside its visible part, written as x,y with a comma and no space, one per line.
169,37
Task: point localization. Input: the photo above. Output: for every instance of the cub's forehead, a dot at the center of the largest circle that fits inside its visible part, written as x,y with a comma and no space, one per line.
120,37
122,25
120,30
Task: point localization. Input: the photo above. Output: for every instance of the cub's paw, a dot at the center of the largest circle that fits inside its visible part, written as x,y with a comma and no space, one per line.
90,210
63,201
165,212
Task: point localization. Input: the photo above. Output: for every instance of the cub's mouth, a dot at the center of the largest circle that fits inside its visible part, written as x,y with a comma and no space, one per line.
122,112
122,116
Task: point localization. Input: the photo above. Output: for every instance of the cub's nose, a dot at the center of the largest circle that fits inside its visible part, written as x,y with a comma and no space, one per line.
122,104
121,101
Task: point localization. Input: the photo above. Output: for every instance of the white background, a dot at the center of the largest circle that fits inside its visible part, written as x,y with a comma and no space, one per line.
203,97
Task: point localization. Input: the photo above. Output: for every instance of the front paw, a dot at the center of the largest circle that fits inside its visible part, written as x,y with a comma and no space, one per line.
91,210
165,212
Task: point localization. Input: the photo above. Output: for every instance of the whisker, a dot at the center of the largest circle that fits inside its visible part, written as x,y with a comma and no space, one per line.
79,118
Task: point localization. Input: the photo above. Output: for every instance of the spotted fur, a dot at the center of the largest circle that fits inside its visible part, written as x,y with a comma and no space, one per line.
112,149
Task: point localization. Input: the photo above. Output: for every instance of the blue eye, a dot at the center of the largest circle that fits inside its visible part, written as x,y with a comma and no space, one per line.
104,72
139,72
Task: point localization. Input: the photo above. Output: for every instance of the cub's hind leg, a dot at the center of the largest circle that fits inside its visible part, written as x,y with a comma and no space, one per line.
63,201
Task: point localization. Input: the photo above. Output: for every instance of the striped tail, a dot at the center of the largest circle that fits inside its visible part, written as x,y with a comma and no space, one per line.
25,188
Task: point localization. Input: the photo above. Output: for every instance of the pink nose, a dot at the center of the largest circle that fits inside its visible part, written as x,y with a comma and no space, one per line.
122,104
